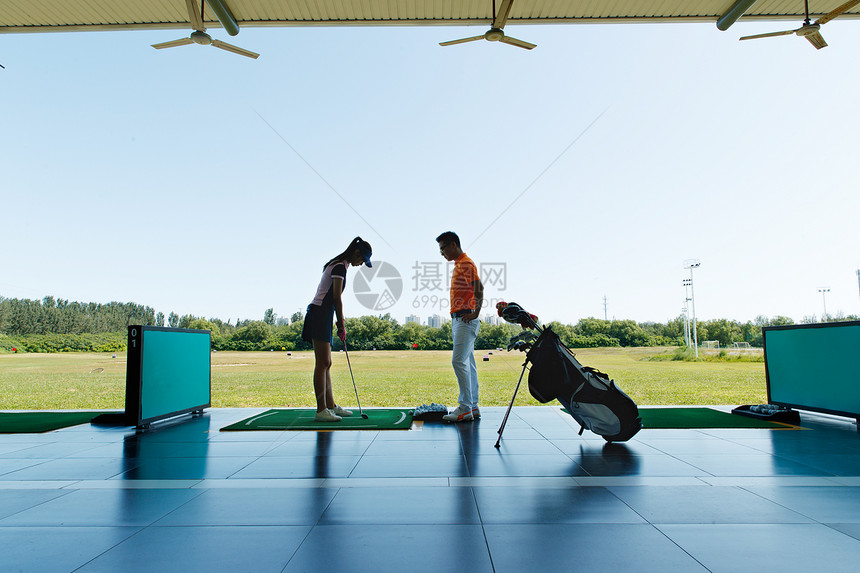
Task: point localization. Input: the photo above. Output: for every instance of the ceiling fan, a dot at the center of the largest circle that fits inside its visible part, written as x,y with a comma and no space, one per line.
199,35
496,33
809,30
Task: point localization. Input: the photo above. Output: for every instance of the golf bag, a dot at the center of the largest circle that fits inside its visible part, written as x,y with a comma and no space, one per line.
588,395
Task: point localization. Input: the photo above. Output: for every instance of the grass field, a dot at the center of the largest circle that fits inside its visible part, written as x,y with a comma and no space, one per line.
384,378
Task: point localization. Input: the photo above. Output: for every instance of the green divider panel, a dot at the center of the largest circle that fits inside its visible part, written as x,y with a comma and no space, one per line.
814,367
175,372
168,373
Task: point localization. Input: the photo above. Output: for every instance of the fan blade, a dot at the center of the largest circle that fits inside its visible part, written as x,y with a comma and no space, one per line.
173,44
831,15
816,40
452,42
235,49
194,16
785,33
503,13
517,43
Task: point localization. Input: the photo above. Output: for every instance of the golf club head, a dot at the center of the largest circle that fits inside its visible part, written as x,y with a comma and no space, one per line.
515,314
364,416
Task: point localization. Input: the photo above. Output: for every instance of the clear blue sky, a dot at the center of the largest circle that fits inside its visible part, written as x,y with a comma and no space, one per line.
133,174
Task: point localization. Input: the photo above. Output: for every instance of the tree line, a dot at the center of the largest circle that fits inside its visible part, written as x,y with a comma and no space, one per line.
54,325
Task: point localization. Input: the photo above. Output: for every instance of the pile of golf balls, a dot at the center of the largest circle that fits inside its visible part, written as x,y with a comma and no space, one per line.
425,409
766,409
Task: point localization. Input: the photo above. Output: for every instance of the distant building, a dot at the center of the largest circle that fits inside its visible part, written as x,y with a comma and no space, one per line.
491,319
434,321
413,318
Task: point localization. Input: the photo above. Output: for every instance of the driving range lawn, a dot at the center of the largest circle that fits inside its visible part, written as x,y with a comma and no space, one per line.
384,378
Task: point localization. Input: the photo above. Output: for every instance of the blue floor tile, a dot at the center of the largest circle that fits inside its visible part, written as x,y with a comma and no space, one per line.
696,504
275,506
185,468
393,548
298,467
572,504
56,549
522,465
9,467
423,448
402,506
203,550
72,469
635,465
823,504
15,501
787,548
596,548
411,466
852,529
748,465
103,507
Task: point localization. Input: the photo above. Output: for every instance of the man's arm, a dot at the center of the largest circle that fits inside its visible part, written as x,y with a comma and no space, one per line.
478,290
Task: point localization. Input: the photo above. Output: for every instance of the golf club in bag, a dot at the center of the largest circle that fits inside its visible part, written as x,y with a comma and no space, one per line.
354,387
588,395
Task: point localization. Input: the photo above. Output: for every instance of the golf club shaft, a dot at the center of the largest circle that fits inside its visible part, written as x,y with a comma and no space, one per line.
354,387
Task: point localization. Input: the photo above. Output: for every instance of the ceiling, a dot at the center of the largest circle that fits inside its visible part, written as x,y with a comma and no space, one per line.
17,16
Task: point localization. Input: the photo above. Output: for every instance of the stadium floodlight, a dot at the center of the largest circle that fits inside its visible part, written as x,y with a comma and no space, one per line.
693,264
824,291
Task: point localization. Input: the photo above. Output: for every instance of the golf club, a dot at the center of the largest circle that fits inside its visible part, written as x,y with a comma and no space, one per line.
354,387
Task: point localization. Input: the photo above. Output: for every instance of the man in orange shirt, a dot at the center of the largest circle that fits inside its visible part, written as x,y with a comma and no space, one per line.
467,297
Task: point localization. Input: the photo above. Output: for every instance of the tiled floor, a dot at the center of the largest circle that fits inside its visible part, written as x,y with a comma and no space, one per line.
184,496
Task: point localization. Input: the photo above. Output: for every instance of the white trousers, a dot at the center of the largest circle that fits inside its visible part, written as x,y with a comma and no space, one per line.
463,361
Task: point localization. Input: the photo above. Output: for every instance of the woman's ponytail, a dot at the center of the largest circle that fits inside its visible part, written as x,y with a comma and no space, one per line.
355,244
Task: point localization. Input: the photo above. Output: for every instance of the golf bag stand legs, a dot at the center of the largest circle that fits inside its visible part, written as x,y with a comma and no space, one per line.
511,405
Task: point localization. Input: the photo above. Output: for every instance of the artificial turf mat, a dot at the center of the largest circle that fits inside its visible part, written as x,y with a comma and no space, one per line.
37,422
684,418
303,419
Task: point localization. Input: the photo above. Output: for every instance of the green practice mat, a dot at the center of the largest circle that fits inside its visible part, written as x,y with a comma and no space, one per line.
303,419
37,422
678,418
698,418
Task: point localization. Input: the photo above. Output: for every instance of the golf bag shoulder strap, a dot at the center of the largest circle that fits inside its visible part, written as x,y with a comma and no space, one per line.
596,372
549,376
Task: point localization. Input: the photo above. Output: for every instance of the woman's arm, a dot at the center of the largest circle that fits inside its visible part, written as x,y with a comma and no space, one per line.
337,290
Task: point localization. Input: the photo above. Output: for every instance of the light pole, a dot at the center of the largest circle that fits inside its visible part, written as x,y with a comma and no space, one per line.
688,331
693,264
824,292
686,324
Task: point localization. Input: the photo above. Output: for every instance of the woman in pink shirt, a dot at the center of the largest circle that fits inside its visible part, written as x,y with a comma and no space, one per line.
317,326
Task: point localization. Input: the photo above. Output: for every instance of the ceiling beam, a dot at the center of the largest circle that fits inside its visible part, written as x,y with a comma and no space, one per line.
224,16
731,16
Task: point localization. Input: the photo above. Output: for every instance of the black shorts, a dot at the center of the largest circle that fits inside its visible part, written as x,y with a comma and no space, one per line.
318,323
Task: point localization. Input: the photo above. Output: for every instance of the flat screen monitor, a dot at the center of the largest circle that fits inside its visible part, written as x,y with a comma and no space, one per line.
168,373
814,367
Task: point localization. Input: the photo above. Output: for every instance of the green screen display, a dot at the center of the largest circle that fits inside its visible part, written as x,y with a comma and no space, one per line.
168,372
814,367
